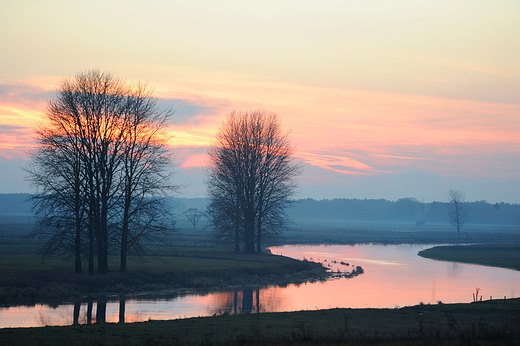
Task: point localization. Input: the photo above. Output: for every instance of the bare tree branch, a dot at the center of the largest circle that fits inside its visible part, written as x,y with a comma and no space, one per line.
250,178
101,166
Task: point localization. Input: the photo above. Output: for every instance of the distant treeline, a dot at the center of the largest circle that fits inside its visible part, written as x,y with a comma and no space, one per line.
404,209
18,204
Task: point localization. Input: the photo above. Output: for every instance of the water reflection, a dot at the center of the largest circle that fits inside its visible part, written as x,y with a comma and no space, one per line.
101,311
455,270
237,302
242,301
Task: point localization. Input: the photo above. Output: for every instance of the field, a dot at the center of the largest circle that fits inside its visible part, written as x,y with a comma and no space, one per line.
312,231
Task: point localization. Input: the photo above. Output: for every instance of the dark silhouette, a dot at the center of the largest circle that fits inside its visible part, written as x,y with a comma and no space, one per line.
250,179
101,166
193,215
458,209
101,310
122,306
77,307
90,304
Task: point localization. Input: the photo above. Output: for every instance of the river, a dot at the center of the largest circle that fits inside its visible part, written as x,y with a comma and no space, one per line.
394,276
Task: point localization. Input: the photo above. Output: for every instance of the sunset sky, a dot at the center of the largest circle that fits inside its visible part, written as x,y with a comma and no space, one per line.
384,99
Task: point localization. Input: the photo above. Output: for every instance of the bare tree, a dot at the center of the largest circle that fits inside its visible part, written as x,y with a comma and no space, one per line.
193,215
102,157
146,172
458,209
250,178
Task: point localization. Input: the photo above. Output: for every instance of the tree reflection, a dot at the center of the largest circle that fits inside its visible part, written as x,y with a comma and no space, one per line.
93,310
122,305
243,301
101,310
77,307
89,310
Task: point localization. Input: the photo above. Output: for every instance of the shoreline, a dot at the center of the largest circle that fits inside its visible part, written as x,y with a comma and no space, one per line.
133,284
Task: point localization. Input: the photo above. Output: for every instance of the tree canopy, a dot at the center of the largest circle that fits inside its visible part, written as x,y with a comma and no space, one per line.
101,165
250,179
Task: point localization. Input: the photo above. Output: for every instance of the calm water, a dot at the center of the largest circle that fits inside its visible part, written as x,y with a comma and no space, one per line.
394,277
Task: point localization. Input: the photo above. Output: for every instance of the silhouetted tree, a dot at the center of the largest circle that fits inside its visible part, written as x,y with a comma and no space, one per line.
100,164
458,209
193,215
250,178
146,173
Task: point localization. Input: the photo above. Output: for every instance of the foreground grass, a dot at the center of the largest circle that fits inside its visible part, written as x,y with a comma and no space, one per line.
496,255
484,323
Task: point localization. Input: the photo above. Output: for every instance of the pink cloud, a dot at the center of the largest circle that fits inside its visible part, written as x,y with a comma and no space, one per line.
196,160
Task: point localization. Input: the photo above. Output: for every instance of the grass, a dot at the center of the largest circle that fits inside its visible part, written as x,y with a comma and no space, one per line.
494,322
496,255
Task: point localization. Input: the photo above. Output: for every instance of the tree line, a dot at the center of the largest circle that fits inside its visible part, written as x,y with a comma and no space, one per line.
404,209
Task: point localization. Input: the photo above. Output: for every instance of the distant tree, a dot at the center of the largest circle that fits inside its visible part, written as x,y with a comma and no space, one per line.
250,178
193,215
100,166
457,209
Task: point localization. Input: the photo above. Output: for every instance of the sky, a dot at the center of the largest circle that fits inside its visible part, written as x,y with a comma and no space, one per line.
383,99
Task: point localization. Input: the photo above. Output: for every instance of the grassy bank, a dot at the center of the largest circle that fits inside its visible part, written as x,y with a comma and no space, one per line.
188,259
24,279
496,255
484,323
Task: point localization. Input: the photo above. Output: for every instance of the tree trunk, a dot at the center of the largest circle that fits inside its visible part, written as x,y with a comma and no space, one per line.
91,241
124,236
77,240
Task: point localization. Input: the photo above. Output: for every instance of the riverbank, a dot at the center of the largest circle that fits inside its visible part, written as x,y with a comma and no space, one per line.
495,255
495,322
188,271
